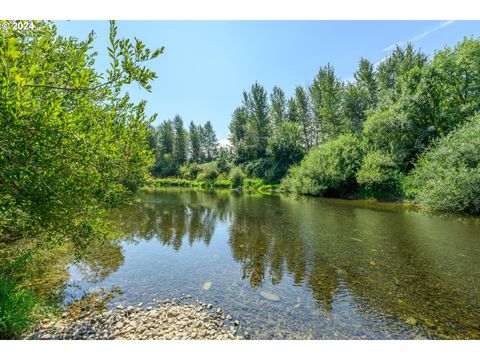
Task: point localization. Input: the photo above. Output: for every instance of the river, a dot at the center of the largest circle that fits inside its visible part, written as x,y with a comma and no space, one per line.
296,267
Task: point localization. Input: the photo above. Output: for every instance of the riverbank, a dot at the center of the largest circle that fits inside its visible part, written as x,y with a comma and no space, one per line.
176,319
248,184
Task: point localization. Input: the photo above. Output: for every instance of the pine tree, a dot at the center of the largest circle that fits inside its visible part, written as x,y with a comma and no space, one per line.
180,146
278,109
305,118
210,142
258,126
195,143
326,93
238,132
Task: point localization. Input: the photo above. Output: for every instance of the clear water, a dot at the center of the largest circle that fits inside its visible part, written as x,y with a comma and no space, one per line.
340,269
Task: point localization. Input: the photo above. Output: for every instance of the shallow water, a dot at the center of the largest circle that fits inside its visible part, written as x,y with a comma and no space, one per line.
296,268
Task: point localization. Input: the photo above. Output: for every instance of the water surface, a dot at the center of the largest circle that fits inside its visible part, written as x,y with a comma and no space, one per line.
297,268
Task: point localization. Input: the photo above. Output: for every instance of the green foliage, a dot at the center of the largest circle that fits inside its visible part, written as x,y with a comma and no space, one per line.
391,131
195,143
208,172
17,307
329,169
285,148
379,176
208,142
257,127
252,184
222,183
237,176
278,108
71,145
180,146
190,171
326,93
17,304
447,177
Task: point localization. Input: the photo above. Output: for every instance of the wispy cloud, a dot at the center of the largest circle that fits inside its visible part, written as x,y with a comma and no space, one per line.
420,36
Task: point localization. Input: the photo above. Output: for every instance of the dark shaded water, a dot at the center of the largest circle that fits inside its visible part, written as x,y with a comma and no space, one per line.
340,269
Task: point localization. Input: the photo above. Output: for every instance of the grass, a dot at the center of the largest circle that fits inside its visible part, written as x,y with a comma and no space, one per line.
249,184
17,308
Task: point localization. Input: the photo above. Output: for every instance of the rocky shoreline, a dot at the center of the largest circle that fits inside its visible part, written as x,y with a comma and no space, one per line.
176,319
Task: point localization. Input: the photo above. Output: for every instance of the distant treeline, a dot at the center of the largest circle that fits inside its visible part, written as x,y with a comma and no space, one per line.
405,128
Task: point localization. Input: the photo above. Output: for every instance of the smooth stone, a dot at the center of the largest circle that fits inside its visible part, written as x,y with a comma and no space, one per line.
269,296
411,320
207,286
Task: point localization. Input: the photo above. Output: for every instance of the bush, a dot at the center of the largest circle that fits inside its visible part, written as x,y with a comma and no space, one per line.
208,171
447,177
16,308
17,305
190,171
252,184
379,175
222,183
237,176
329,169
171,182
259,168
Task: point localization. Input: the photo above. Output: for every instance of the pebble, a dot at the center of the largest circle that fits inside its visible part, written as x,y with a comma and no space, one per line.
166,320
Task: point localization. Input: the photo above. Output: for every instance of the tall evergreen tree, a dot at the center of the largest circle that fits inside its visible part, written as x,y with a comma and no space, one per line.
326,93
238,132
180,146
365,81
305,118
292,114
165,138
210,142
278,109
258,126
195,143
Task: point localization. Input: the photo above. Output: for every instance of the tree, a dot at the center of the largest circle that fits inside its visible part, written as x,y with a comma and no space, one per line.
195,143
397,64
285,148
303,115
447,177
329,169
292,113
238,133
366,82
258,126
209,141
379,175
278,108
326,93
180,147
72,142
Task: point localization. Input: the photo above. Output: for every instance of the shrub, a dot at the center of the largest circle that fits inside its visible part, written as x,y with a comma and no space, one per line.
330,168
16,308
447,177
190,171
379,175
252,184
222,183
208,171
259,168
237,176
17,305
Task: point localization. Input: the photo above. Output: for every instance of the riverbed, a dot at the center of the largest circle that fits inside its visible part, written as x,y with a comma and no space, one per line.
292,267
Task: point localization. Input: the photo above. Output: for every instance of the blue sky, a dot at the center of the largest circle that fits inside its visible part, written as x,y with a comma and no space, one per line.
208,64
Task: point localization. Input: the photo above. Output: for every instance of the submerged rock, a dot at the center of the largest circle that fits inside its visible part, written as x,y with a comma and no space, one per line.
411,320
269,296
207,286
